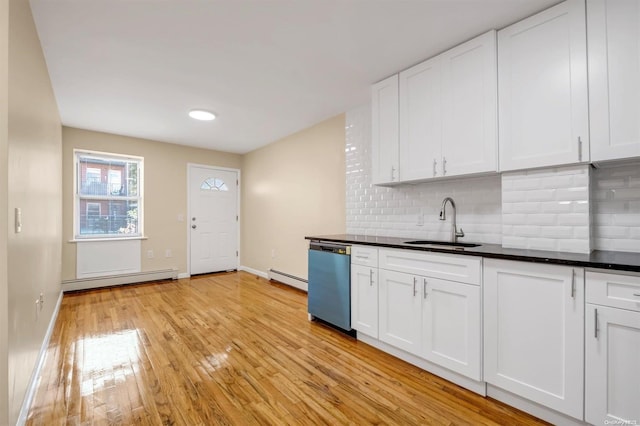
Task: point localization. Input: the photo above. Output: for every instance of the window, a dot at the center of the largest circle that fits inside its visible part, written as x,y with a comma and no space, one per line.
214,184
108,195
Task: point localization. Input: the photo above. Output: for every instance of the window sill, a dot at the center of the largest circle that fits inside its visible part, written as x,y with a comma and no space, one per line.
81,240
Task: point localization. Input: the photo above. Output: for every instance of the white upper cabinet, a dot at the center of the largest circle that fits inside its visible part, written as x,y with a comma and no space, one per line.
420,120
470,107
614,78
542,86
384,131
448,112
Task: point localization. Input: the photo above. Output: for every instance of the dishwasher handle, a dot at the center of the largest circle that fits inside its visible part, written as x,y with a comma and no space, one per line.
331,248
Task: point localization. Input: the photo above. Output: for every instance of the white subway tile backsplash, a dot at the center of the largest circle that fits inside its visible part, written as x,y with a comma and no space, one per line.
537,204
395,210
570,208
616,207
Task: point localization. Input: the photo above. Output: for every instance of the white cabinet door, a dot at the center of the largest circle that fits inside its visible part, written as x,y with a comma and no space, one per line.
542,86
533,332
451,325
420,120
400,310
384,131
612,368
364,299
614,87
470,107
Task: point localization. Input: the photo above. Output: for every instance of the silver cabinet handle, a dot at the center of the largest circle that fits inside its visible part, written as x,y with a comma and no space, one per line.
636,294
444,166
424,287
579,149
595,328
573,283
435,171
371,277
414,286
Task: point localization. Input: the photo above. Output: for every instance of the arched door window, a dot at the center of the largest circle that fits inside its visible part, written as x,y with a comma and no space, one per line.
214,184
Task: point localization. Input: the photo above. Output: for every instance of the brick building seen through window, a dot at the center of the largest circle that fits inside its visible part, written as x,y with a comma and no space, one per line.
107,197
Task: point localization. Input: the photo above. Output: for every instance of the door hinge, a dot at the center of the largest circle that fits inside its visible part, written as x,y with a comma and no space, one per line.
236,253
236,218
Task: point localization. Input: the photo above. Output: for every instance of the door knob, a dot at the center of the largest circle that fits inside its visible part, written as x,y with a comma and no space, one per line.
193,226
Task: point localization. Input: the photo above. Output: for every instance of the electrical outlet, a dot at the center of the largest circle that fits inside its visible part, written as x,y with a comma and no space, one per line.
274,253
180,217
167,253
149,254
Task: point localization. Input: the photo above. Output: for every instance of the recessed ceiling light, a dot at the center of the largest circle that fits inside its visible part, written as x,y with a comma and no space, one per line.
200,114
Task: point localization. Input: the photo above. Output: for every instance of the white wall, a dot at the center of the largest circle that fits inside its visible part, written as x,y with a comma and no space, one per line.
34,183
290,189
165,178
4,288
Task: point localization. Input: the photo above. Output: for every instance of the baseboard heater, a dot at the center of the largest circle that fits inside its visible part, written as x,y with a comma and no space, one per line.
119,279
288,279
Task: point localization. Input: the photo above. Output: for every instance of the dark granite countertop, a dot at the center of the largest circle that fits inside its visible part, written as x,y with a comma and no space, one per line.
615,260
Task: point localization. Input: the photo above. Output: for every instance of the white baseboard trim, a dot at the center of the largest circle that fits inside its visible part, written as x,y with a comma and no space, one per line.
542,412
253,271
184,275
33,381
287,279
137,277
463,381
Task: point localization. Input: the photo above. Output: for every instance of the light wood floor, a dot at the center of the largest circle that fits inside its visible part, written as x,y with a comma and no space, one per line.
231,349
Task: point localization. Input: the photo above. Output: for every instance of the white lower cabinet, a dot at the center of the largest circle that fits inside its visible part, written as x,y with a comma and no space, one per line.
533,332
364,299
400,310
364,290
451,326
433,318
612,349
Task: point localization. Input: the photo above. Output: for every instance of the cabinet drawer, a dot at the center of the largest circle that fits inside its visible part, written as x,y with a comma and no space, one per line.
364,255
618,291
464,269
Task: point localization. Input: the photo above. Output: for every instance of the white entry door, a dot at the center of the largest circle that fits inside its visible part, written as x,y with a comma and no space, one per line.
213,219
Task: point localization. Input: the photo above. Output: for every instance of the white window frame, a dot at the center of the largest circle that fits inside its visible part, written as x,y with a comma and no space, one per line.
77,154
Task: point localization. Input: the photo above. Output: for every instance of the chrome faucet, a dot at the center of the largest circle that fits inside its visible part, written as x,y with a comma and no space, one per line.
454,231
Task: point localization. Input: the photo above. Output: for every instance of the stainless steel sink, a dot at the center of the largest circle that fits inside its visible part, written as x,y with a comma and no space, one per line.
441,243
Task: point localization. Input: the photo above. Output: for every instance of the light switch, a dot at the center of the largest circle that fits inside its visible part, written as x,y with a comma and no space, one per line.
18,220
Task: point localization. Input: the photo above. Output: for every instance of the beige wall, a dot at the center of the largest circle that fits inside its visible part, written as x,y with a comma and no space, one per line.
165,196
34,184
290,189
4,290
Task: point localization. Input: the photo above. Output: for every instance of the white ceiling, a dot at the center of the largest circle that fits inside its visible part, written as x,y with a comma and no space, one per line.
267,68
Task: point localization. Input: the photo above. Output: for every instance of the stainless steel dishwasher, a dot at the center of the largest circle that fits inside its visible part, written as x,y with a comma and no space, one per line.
329,290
